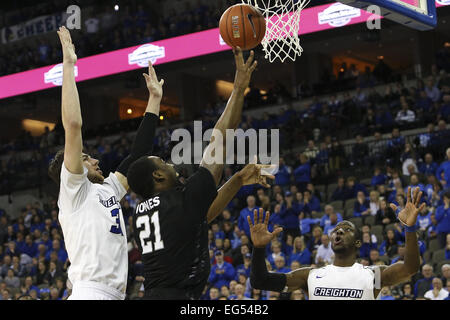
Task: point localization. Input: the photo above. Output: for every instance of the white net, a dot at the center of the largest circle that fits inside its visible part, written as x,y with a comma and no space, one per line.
282,25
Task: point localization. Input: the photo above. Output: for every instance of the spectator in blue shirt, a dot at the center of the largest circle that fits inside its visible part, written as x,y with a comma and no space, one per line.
302,174
300,252
443,220
425,283
310,202
280,265
424,219
248,211
362,206
333,223
353,188
325,220
30,248
289,216
275,251
246,266
56,246
222,272
378,177
444,169
366,246
283,176
428,167
400,254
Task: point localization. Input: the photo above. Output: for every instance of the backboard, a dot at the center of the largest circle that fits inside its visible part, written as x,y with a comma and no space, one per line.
416,14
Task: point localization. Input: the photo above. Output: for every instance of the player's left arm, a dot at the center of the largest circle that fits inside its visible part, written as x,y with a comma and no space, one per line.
251,174
143,142
403,270
231,116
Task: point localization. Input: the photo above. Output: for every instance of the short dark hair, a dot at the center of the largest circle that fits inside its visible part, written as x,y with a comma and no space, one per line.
55,166
140,176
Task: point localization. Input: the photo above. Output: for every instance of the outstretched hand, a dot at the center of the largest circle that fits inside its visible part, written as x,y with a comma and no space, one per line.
68,48
408,216
153,85
254,173
244,70
259,233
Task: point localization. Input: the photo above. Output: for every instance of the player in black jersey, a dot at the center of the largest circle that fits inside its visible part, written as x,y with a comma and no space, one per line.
170,225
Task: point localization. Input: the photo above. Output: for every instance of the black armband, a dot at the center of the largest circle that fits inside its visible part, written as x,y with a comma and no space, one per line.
143,142
260,278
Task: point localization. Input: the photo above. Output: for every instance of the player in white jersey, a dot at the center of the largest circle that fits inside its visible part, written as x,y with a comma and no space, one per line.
89,210
345,278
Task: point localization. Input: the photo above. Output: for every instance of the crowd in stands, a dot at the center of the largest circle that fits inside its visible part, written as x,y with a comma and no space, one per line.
105,29
311,193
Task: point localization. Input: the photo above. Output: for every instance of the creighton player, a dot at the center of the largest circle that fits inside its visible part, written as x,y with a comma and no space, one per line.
89,210
345,278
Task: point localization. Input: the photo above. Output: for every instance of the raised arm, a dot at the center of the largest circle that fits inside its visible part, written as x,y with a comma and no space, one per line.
403,270
70,107
231,116
143,142
260,278
250,174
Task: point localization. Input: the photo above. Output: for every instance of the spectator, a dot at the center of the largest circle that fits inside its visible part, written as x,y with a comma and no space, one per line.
389,246
325,220
300,252
432,90
310,203
341,191
213,293
245,267
425,283
400,254
333,223
324,254
11,280
428,167
248,211
443,220
362,206
437,292
443,172
316,240
275,252
222,272
378,178
280,265
374,256
283,175
405,115
302,174
366,246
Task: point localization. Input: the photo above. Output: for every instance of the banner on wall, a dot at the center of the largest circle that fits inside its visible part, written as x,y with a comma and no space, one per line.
34,27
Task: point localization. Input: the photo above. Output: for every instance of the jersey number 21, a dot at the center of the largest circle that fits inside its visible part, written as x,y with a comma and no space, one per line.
144,235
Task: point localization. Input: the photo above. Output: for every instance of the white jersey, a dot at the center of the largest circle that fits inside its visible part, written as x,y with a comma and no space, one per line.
342,283
94,231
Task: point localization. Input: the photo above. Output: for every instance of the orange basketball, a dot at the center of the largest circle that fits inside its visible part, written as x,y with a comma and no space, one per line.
242,26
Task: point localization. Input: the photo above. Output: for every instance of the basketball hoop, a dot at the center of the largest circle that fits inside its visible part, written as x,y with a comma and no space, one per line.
283,21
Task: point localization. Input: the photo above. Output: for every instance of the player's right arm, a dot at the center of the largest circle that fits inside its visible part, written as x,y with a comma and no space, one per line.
231,116
70,107
260,278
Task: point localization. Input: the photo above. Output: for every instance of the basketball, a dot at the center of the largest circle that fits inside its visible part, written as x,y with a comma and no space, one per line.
242,26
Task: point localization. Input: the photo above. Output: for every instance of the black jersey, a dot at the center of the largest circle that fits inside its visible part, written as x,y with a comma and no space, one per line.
171,231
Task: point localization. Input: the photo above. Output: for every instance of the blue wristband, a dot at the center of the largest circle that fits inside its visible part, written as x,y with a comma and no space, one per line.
411,229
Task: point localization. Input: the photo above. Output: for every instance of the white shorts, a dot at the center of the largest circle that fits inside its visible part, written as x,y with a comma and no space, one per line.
89,290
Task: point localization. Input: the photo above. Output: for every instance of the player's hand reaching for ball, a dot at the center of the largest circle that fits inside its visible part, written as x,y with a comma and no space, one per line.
153,85
259,233
408,216
68,48
244,70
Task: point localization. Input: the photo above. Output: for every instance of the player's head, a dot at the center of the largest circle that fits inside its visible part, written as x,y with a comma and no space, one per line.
149,175
95,175
345,238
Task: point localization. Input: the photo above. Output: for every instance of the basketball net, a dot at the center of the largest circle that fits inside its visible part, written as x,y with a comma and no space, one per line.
282,25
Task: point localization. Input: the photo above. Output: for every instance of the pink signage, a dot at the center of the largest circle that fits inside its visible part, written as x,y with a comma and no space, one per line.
174,49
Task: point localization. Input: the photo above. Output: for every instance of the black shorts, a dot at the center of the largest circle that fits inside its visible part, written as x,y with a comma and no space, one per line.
168,294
